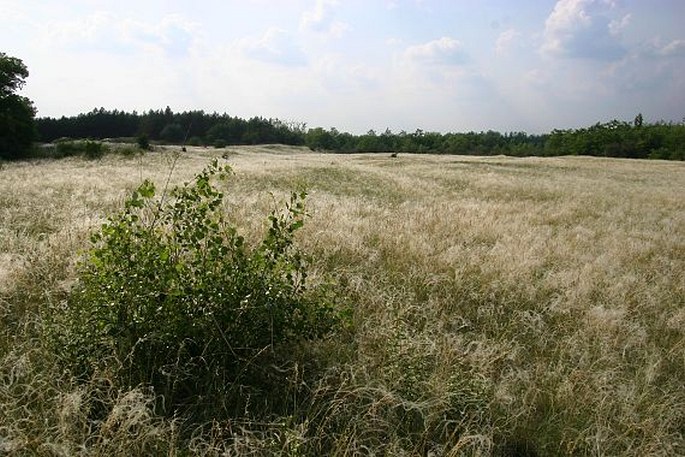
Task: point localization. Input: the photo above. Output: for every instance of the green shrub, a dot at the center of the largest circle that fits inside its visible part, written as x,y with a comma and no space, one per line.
660,153
219,144
69,148
195,141
65,149
93,149
171,296
129,151
172,133
143,142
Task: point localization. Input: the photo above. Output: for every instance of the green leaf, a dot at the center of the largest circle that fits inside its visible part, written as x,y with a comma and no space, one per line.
147,189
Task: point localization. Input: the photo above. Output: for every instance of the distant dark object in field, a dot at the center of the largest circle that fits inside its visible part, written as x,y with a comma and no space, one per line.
393,155
183,148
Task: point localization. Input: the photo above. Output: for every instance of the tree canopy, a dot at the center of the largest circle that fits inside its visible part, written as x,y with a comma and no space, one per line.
17,129
13,72
636,139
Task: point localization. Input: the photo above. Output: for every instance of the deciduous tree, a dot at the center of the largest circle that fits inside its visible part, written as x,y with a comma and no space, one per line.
17,130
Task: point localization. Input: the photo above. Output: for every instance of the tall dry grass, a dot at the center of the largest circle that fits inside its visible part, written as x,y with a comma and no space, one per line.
501,306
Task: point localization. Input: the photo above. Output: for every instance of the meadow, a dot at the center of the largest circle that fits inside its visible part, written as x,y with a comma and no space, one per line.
499,306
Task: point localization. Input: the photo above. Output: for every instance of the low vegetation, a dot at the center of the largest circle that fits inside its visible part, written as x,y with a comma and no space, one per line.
171,297
453,305
635,139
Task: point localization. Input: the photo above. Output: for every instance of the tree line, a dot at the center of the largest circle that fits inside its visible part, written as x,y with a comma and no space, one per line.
659,140
616,138
188,127
19,129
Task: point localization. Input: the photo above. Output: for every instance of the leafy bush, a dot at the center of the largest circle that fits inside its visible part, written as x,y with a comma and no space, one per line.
172,133
65,148
143,142
93,149
195,141
219,144
129,151
171,296
89,149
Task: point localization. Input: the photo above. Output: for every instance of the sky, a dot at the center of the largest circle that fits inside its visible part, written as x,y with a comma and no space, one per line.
356,65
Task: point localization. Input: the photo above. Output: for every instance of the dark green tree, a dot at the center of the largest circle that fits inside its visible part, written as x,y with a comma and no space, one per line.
17,130
319,139
172,133
230,130
638,120
143,142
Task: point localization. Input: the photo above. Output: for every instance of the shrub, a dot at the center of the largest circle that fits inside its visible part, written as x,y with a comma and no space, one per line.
89,149
93,149
129,151
171,296
219,144
195,141
172,133
143,142
64,148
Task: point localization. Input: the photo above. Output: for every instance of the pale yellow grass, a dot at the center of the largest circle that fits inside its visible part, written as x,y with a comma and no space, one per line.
502,305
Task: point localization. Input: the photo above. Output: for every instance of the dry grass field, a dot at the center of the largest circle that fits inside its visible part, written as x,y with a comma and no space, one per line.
501,306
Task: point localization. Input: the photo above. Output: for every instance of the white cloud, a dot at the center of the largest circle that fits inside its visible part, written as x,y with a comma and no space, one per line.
261,57
652,78
536,77
582,29
91,30
317,18
106,32
173,34
674,48
338,29
338,75
617,25
437,67
276,46
444,51
506,40
15,17
321,20
658,52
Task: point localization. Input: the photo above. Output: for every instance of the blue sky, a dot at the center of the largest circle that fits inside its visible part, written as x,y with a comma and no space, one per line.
356,65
